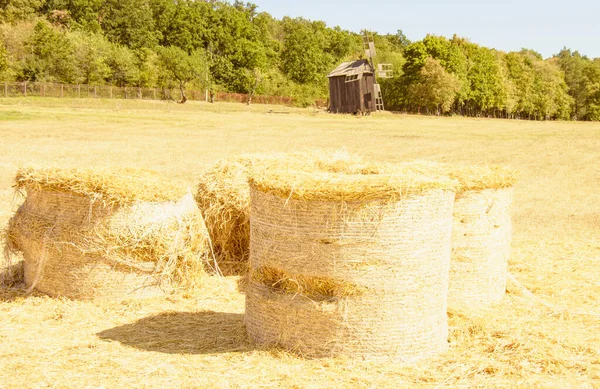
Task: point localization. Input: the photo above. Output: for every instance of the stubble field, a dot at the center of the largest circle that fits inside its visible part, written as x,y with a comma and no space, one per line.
547,338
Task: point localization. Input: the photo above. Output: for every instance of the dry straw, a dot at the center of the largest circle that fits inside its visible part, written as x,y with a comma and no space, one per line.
349,258
224,198
482,231
106,234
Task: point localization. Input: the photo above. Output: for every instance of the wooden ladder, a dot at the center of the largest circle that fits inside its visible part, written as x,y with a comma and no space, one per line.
379,100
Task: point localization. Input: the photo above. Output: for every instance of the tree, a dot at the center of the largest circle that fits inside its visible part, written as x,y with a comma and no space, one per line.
91,53
129,23
304,59
522,75
179,66
486,89
82,14
435,88
123,66
12,11
184,24
591,74
4,63
50,56
399,40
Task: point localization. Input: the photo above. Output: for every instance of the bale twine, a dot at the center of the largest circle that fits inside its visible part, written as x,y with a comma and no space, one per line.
106,235
481,234
349,260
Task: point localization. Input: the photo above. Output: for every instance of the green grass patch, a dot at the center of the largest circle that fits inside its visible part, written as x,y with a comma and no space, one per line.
15,115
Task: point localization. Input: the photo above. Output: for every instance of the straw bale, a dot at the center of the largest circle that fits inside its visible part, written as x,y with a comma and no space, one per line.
106,246
482,231
481,241
370,273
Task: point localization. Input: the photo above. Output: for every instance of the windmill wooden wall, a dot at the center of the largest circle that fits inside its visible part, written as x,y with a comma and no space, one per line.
348,95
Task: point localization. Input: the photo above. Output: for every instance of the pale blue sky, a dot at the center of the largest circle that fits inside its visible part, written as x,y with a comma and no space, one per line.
544,26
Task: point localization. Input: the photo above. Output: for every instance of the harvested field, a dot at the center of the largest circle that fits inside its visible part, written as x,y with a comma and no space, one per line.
547,339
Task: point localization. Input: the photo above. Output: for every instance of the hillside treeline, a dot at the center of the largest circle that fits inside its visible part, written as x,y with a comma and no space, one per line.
233,47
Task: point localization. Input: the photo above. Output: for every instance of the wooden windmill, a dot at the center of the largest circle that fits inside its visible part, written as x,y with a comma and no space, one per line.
353,86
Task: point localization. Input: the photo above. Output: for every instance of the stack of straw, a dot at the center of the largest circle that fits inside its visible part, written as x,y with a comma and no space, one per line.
349,258
90,234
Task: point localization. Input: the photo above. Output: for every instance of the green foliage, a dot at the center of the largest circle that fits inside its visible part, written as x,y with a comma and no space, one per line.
149,68
122,63
304,58
91,53
80,14
398,40
184,24
50,56
591,73
540,89
4,63
582,76
435,88
129,23
486,89
177,67
12,11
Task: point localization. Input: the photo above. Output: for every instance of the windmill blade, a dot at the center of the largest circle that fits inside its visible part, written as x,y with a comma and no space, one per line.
372,49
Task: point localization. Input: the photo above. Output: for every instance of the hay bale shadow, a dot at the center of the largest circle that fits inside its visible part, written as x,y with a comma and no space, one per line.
11,276
206,332
12,286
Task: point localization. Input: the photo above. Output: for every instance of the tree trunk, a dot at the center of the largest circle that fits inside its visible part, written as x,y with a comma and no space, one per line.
182,89
251,94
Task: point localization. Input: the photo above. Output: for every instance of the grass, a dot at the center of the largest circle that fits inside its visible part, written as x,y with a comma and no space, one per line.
548,339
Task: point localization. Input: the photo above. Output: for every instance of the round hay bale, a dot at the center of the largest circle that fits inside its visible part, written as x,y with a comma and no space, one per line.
95,235
481,234
347,259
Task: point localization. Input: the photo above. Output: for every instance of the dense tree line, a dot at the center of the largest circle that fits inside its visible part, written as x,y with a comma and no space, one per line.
234,47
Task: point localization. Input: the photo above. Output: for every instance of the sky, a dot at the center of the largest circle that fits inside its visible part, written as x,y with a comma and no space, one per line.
508,25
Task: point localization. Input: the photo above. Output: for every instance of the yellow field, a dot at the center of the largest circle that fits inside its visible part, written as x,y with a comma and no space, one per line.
550,338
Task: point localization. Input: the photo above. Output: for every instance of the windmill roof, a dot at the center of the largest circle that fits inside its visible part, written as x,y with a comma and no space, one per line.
354,67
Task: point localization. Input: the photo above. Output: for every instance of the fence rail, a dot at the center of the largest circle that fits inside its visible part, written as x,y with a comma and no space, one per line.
18,89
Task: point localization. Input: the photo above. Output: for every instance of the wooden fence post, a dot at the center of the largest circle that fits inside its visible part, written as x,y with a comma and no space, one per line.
95,94
78,90
140,93
44,90
25,88
5,89
153,93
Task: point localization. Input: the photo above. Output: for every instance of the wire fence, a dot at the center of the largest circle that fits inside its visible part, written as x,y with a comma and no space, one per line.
37,89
